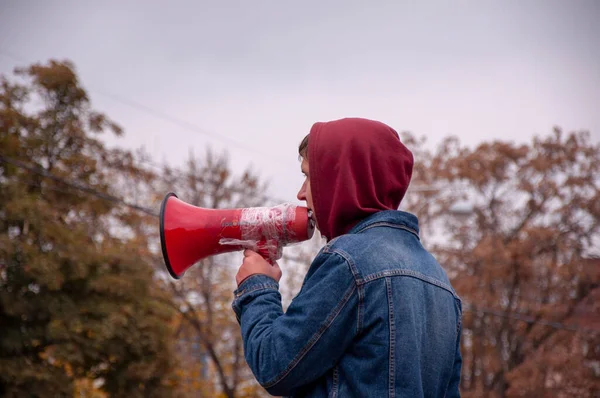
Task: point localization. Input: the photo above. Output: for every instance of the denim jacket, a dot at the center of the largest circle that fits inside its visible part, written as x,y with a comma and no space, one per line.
376,317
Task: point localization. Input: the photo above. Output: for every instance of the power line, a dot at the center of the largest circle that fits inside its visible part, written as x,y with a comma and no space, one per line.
197,129
84,188
526,319
192,127
187,125
170,118
183,174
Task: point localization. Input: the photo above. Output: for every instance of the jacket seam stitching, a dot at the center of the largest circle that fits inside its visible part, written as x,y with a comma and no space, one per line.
348,258
391,225
361,299
336,381
314,339
459,320
257,287
392,369
410,273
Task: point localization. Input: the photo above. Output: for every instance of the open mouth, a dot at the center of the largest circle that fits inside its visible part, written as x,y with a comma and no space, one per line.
311,219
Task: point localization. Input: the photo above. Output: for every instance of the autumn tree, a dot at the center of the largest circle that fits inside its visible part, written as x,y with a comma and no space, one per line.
203,295
521,256
78,304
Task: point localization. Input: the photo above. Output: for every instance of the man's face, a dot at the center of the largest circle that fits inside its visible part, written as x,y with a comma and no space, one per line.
305,193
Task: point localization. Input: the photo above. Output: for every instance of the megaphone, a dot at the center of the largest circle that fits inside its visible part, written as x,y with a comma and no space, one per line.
189,234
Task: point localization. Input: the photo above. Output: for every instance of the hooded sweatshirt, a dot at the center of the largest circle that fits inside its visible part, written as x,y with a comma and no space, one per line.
358,167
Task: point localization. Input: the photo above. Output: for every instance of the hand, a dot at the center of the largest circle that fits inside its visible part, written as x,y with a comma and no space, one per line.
253,264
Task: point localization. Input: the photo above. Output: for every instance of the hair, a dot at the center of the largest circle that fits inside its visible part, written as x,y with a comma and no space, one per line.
303,148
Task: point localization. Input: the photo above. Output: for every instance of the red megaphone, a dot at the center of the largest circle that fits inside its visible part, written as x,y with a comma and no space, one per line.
189,234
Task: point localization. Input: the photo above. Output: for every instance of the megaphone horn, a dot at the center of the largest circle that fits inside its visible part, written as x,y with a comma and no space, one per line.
189,234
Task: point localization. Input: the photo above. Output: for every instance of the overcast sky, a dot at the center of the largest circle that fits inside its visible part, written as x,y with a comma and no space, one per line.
253,76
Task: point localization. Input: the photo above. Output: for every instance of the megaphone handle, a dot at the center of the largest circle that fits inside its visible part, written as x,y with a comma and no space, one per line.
268,248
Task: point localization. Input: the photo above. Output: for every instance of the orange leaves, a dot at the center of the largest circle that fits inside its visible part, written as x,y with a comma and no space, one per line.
58,79
83,304
518,258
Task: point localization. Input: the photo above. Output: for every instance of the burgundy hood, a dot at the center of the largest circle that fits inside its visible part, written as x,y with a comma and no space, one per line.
357,167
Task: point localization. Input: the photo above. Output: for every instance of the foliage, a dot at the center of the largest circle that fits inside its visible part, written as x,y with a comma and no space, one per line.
78,305
521,257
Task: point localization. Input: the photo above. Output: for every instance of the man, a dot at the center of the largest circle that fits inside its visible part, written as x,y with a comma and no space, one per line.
376,315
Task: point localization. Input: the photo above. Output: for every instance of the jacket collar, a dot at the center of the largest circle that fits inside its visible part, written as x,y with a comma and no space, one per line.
396,217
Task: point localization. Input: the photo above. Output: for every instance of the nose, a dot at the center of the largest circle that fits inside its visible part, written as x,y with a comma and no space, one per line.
302,193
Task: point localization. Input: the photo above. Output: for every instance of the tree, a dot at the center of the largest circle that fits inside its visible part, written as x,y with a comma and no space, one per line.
518,259
78,303
203,296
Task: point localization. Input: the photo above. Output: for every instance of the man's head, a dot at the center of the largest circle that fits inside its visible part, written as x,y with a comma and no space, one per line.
354,167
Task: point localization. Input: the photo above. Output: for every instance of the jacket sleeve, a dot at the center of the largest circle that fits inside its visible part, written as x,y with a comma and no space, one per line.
291,349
